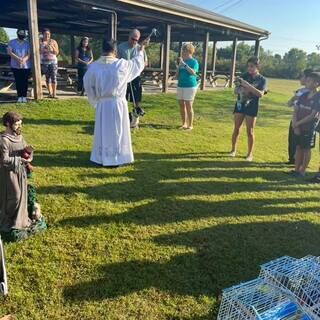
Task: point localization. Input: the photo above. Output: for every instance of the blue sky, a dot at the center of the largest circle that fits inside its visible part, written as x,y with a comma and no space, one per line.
292,23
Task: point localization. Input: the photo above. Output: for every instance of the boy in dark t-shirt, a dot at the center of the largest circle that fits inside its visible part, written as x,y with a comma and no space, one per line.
304,122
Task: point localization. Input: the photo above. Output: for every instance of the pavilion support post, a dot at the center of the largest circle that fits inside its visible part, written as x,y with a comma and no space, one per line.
73,50
166,61
257,48
180,48
35,50
233,62
161,55
204,61
111,32
214,57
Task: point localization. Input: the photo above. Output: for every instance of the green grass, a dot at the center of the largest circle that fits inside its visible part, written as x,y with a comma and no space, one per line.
161,238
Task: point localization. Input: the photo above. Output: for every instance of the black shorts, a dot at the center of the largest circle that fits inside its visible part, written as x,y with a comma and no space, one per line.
250,110
306,140
134,90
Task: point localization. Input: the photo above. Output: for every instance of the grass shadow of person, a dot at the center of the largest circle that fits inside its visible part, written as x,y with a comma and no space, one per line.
223,255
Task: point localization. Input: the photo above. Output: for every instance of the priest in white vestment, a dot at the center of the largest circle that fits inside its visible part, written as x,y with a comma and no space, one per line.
106,84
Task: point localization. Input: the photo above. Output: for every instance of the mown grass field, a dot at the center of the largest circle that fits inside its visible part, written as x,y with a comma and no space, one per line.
161,238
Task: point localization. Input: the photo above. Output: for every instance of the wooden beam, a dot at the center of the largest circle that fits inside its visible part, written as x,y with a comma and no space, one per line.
73,49
180,48
204,61
161,55
214,57
113,26
166,62
35,50
233,62
257,48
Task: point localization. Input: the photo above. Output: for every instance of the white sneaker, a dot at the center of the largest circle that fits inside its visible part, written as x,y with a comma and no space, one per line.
20,100
232,154
24,100
249,158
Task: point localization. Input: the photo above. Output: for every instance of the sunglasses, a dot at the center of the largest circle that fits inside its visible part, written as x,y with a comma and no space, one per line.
135,40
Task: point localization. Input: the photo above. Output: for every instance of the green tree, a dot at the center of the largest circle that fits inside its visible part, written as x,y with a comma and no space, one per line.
3,35
295,60
313,61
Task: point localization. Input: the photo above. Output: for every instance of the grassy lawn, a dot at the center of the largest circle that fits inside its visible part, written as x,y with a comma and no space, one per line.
161,238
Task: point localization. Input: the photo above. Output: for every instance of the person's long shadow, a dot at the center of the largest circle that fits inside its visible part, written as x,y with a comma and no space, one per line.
57,122
173,211
224,255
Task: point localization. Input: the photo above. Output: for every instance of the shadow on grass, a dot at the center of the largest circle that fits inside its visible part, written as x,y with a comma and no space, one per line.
57,122
224,255
168,211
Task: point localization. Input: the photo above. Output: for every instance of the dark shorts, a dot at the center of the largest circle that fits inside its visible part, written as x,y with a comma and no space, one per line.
134,90
251,110
50,71
306,140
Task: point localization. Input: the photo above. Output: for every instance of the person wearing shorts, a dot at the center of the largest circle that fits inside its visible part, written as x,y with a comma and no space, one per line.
249,89
292,145
304,123
49,51
187,85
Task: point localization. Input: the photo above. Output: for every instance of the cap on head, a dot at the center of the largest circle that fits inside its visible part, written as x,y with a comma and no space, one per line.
21,32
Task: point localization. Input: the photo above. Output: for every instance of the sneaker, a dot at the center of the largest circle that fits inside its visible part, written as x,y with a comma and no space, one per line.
249,158
3,272
20,100
315,179
232,154
24,100
297,174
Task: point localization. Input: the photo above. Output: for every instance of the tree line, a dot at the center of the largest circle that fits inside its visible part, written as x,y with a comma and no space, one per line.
288,66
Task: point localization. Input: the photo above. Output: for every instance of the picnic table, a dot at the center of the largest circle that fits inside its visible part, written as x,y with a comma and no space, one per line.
66,78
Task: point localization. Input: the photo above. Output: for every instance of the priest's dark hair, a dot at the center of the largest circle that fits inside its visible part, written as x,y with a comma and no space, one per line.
11,118
109,46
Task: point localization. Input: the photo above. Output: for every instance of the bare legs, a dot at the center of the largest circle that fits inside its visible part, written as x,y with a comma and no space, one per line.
52,89
250,124
302,160
190,113
238,120
183,114
186,113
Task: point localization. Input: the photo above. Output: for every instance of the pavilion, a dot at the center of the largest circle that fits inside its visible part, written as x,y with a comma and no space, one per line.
176,21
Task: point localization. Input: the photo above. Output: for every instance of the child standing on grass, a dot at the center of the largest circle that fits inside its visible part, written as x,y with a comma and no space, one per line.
292,144
249,88
304,122
316,178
